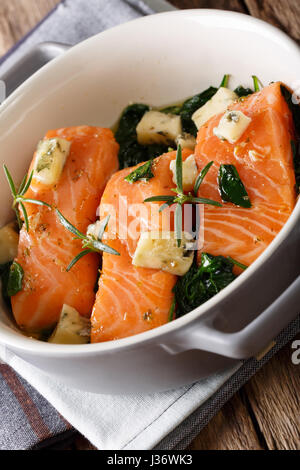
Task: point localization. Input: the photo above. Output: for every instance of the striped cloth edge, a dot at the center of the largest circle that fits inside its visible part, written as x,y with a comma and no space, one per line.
27,419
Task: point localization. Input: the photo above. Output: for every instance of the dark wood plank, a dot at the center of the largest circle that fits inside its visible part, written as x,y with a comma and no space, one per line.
18,17
231,429
274,397
282,13
234,5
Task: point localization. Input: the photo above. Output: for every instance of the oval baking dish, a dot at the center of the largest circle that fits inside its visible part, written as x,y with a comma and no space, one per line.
90,84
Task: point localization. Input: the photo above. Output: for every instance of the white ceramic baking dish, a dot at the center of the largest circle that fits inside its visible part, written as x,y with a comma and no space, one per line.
158,60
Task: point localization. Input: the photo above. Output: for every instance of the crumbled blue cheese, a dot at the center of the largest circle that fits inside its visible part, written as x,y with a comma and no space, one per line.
216,105
232,126
9,240
159,250
158,128
72,328
189,172
50,159
186,141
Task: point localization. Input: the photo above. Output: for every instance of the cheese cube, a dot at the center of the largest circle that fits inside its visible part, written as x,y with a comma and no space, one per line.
232,126
189,172
216,105
158,128
72,328
159,250
50,159
9,240
187,141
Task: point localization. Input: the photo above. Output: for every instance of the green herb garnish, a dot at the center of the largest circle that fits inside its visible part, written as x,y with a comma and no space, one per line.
202,282
19,199
201,177
180,198
232,188
14,280
243,92
90,244
143,172
237,263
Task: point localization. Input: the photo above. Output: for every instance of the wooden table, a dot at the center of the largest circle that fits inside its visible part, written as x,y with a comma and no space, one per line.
265,413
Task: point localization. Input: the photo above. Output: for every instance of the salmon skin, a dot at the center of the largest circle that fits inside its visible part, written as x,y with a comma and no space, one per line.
131,300
48,248
264,160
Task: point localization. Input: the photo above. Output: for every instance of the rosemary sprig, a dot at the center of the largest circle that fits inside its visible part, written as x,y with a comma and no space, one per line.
180,198
19,199
90,244
201,177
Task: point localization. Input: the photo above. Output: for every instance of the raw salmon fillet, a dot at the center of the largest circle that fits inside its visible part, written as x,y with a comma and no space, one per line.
48,248
132,300
264,160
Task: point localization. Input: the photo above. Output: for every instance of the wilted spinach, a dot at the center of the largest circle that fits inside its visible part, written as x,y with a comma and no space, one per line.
4,275
296,158
191,105
15,279
171,110
143,172
202,282
241,91
131,152
232,188
130,118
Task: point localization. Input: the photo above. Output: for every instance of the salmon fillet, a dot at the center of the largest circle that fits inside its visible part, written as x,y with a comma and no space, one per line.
131,300
264,160
48,248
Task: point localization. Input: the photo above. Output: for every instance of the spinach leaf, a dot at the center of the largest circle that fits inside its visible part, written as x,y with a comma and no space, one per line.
131,152
15,279
295,108
203,282
232,188
130,118
155,150
4,275
296,158
171,110
191,105
143,172
241,91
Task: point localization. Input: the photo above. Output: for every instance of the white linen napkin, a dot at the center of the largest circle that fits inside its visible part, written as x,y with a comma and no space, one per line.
135,422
